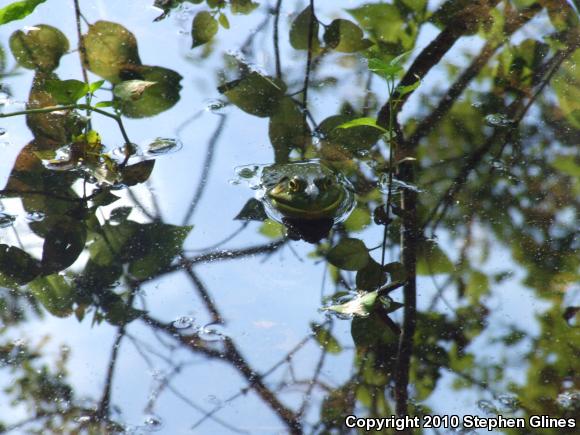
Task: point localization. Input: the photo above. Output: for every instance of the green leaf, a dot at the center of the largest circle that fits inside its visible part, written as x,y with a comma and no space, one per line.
67,91
95,86
105,104
349,254
110,50
40,48
54,293
17,267
255,94
569,165
396,271
242,6
300,29
132,90
403,90
431,260
382,21
384,69
359,219
354,138
369,122
137,173
63,244
477,286
345,36
203,28
272,230
360,306
18,10
253,210
224,22
371,276
325,339
288,130
155,98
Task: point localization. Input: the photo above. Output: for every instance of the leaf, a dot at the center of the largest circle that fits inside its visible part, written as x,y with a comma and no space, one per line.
300,29
569,165
40,48
360,306
242,6
110,50
253,210
477,286
325,339
131,90
371,276
358,220
384,69
396,271
95,86
345,36
154,99
255,94
18,10
272,230
203,28
566,84
105,104
224,22
63,244
54,293
431,260
382,21
137,173
358,122
403,90
288,130
349,254
17,267
67,91
355,138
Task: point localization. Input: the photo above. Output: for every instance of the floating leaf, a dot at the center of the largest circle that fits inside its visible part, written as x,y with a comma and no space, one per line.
132,90
18,10
203,28
137,173
359,219
300,29
255,94
67,91
40,48
224,22
384,69
362,305
345,36
242,6
110,50
156,98
164,145
349,254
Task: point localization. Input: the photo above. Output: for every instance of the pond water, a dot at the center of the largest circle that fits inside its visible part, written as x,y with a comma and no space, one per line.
264,217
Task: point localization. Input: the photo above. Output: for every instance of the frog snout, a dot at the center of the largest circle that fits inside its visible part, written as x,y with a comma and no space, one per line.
312,192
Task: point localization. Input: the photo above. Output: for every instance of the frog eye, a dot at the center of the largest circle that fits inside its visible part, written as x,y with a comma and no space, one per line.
324,183
296,184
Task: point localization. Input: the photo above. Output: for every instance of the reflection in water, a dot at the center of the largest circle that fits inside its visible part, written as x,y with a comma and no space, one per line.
437,183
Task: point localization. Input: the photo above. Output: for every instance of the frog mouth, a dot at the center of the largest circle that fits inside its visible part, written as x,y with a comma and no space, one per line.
310,211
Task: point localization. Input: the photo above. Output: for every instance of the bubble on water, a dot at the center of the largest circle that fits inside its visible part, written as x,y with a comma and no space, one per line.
569,400
212,332
217,106
499,120
183,322
487,407
84,419
164,145
508,402
152,423
397,185
6,220
35,216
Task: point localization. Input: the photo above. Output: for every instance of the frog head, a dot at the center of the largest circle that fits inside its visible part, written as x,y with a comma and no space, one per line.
306,193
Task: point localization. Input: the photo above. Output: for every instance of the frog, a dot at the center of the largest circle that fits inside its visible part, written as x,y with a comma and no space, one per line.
307,197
